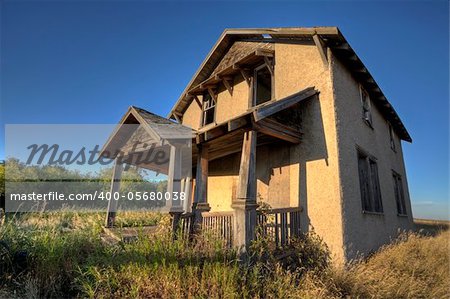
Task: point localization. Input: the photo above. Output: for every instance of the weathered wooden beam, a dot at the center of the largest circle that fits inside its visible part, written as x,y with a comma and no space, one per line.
215,132
238,123
272,108
212,93
343,46
228,85
246,76
115,187
269,65
322,49
274,132
199,103
200,203
177,117
245,204
247,172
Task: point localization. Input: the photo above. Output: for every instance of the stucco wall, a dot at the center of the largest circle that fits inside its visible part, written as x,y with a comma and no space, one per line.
314,164
365,232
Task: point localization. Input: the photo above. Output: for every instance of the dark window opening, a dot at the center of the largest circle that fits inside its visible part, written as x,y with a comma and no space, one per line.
209,107
391,136
369,184
365,102
399,195
263,84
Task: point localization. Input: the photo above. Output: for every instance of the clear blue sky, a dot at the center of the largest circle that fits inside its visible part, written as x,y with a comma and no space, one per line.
86,62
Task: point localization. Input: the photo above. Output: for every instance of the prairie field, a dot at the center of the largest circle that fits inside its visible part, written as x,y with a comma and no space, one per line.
67,255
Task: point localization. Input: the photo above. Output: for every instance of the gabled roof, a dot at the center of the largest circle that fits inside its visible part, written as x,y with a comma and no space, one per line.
330,36
156,127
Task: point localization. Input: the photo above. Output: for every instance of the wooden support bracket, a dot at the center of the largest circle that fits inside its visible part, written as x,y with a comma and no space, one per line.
322,49
198,101
228,85
269,65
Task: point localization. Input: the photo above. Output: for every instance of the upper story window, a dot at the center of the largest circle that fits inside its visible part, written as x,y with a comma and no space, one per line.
391,137
262,85
369,184
209,109
399,195
365,105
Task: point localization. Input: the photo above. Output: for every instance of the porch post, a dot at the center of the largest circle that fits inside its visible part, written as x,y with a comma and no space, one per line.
115,187
200,203
245,203
174,185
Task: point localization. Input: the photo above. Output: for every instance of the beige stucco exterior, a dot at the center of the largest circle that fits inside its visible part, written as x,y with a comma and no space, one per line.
364,232
320,174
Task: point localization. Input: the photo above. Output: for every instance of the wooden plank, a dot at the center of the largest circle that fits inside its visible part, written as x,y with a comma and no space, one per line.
198,101
246,76
247,171
322,51
177,118
269,65
115,187
238,123
228,86
201,178
284,129
268,109
212,93
276,133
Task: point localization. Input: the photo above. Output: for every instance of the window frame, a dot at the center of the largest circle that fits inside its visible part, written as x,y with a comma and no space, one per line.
371,197
392,138
399,193
255,83
212,106
366,106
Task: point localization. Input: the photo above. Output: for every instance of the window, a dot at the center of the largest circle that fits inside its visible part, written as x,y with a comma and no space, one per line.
365,103
263,85
369,184
399,195
209,108
391,136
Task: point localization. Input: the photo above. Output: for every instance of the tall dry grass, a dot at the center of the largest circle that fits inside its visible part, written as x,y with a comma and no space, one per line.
67,258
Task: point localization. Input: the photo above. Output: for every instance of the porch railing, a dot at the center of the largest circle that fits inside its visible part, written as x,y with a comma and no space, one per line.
218,224
279,225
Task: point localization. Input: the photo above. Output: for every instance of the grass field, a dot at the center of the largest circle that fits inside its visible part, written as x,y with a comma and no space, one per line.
63,255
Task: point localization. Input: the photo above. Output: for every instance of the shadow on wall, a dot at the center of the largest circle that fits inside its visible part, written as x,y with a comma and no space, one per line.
273,161
312,148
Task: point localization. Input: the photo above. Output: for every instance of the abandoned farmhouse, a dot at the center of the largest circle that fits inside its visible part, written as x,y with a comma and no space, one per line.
290,117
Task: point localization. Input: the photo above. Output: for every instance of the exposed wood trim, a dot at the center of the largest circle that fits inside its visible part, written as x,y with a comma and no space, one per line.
322,50
245,75
268,109
247,172
215,132
177,117
201,178
275,132
343,46
212,94
238,123
227,85
269,65
115,187
197,100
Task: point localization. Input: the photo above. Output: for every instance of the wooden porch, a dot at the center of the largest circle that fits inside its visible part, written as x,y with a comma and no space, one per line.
270,122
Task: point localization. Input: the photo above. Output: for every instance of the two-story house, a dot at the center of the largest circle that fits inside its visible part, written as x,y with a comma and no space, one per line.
293,118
